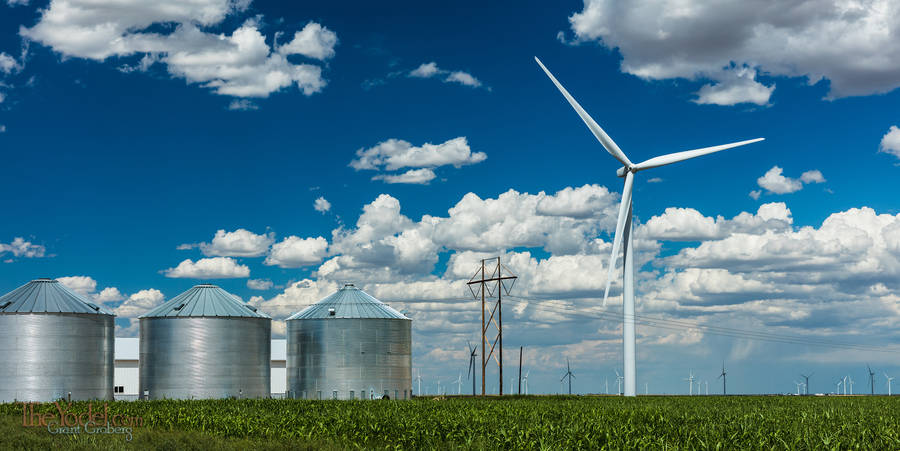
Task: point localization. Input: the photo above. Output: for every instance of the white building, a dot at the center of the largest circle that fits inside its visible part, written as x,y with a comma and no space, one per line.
127,360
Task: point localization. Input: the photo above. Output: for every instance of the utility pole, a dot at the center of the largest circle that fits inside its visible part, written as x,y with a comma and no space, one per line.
520,370
488,286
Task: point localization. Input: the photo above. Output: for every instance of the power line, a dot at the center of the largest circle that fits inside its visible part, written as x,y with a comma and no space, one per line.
663,323
672,324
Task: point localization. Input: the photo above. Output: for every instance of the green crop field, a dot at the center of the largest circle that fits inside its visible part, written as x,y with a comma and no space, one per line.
776,422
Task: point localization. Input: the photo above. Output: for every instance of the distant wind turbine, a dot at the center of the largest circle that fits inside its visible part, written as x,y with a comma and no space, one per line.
624,223
850,379
871,378
459,384
837,388
568,374
889,379
799,384
419,379
806,384
471,370
690,381
722,376
525,381
619,381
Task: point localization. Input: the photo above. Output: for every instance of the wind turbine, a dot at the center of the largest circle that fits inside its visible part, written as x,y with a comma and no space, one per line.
606,381
850,379
799,384
624,222
471,370
619,381
806,384
889,379
690,381
706,383
419,379
525,381
837,388
844,381
722,376
871,378
568,374
459,384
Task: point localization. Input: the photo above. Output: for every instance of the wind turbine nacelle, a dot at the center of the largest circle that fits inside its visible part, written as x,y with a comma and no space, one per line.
622,171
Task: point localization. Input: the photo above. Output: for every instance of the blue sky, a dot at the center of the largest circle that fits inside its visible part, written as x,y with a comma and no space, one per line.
130,132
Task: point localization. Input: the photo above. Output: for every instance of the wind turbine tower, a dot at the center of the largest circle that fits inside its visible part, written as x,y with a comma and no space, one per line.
525,381
806,384
619,381
837,388
624,222
690,381
568,374
722,376
472,354
871,378
419,379
889,379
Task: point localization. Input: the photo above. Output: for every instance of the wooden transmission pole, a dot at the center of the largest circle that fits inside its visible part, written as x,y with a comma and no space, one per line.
488,286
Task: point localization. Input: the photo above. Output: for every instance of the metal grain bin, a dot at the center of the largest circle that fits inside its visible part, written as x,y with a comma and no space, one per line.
349,345
54,344
205,343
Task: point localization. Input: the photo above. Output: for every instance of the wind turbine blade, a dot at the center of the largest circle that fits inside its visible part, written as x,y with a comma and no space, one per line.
624,207
598,132
688,154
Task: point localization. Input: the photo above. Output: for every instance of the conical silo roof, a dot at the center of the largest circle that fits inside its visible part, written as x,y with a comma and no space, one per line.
48,296
348,302
205,300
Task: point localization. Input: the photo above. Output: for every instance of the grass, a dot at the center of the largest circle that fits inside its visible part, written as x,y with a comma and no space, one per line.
553,422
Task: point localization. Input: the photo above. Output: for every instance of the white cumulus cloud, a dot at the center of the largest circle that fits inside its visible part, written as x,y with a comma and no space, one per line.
240,243
735,86
139,303
850,43
239,64
396,154
890,142
774,182
83,285
208,268
321,205
313,41
429,70
813,176
296,252
21,248
259,284
410,177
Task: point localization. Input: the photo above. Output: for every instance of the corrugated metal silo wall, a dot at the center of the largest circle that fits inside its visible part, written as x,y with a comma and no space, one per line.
46,356
205,357
341,355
